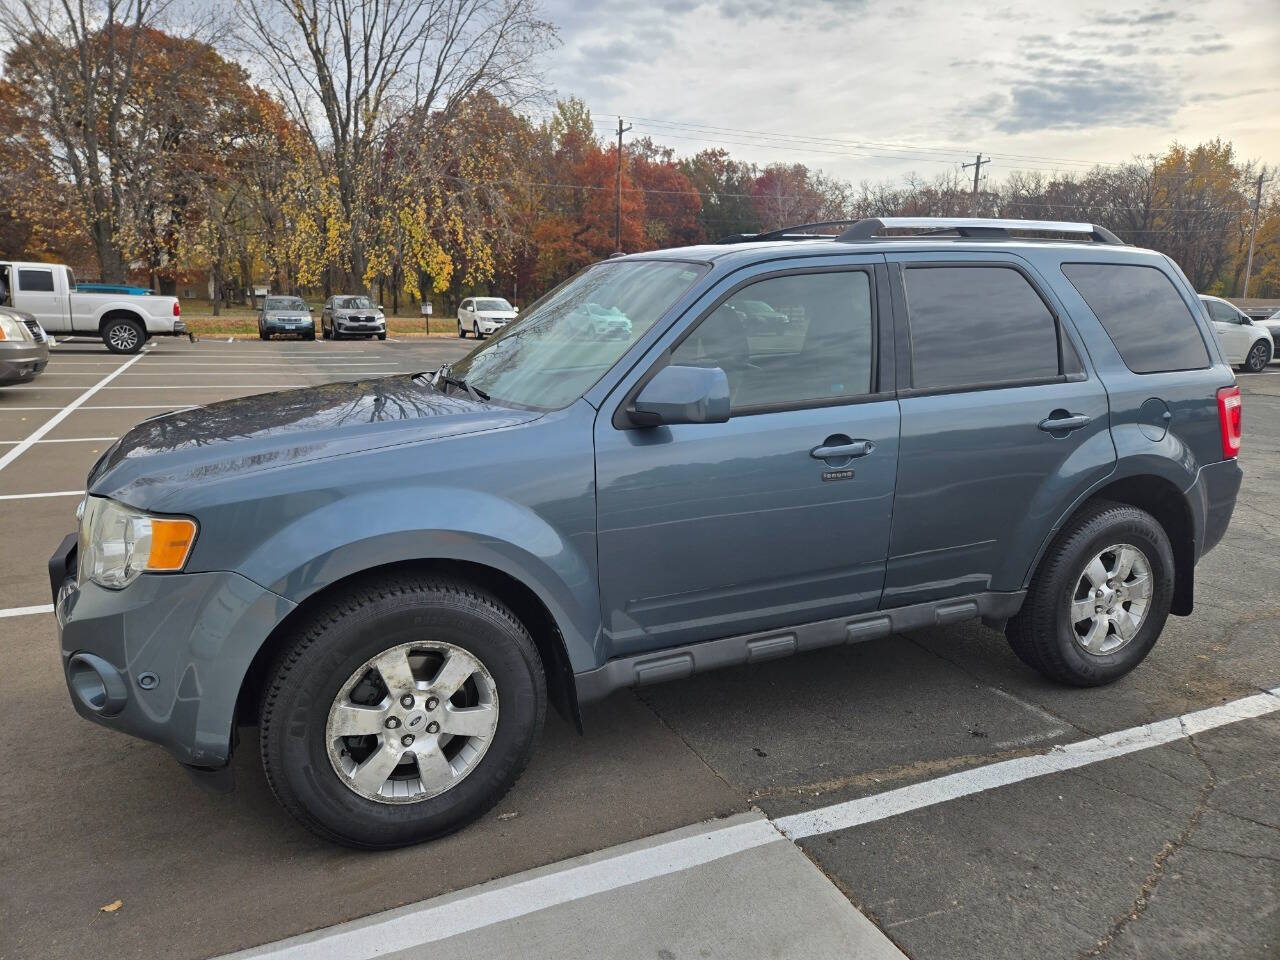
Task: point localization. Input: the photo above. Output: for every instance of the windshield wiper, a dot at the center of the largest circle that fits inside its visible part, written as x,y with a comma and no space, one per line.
442,375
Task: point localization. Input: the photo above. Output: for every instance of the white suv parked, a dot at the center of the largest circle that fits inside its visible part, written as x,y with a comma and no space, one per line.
1244,343
484,315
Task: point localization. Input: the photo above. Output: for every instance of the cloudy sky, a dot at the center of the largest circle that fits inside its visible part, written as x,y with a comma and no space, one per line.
875,90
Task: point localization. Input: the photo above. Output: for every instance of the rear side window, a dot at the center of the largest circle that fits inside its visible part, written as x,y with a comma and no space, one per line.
973,326
36,281
1139,307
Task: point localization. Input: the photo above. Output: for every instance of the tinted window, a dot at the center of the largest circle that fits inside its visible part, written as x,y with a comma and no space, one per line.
978,325
36,281
1139,307
789,340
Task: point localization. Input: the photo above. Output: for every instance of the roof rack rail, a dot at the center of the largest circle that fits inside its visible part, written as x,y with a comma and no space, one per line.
797,232
971,227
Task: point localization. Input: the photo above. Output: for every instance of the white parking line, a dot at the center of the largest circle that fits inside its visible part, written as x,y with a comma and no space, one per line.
26,611
6,443
66,411
182,386
90,406
41,496
891,803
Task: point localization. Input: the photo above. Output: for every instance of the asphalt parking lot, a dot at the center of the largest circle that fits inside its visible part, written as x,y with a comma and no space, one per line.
1172,851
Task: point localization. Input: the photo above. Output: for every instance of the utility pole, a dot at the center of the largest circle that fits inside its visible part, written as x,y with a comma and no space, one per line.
977,169
617,218
1253,230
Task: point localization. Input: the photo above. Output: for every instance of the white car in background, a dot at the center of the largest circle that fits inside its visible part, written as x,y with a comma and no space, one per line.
484,315
1244,343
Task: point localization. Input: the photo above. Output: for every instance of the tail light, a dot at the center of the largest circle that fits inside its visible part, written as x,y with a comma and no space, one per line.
177,310
1230,420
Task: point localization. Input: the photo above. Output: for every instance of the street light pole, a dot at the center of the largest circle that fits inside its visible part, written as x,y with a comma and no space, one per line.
1253,231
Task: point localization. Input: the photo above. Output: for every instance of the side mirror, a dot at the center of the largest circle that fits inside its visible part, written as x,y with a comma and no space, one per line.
515,309
682,395
311,309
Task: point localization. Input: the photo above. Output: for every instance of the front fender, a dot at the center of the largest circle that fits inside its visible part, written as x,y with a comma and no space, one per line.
317,548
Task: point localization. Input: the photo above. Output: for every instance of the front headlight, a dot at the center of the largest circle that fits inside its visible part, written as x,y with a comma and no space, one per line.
117,543
12,328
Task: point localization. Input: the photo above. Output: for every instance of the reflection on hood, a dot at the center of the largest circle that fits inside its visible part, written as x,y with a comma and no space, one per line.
250,433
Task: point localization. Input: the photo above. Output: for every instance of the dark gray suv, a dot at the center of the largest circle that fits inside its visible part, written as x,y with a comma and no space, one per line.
394,577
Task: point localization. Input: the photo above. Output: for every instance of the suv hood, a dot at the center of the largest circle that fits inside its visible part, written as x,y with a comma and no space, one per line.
268,430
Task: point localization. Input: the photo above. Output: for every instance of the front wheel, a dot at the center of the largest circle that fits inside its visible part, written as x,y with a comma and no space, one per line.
124,336
382,336
1258,358
403,709
1099,599
475,328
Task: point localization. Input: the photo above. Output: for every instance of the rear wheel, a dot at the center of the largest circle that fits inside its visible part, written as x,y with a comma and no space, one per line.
1100,598
404,709
124,335
1258,358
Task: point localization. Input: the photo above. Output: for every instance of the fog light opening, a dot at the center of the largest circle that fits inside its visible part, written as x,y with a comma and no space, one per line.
96,684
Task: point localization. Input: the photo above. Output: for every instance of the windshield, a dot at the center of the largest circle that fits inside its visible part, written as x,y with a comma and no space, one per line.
568,339
492,303
354,303
284,303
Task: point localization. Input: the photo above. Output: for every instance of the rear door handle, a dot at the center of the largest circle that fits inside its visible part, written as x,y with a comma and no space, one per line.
855,448
1058,423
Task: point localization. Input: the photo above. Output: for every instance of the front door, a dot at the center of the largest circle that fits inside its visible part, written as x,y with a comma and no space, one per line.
1234,338
1001,426
713,530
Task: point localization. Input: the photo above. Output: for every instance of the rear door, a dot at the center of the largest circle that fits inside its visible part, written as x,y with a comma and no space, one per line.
38,293
719,529
1001,424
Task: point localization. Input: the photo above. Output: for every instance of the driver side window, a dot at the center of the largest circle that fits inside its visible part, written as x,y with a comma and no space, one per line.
789,340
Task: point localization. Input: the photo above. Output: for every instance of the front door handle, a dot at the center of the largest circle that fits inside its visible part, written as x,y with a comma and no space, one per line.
854,448
1062,422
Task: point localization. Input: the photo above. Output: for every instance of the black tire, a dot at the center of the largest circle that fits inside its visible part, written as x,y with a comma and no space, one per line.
476,330
335,641
1258,358
124,335
262,336
382,336
462,332
310,334
1042,635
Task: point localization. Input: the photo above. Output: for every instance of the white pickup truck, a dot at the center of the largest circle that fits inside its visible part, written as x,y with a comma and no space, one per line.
124,321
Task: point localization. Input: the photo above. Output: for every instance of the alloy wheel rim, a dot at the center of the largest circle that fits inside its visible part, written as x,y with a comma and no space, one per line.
1111,599
123,336
412,722
1258,360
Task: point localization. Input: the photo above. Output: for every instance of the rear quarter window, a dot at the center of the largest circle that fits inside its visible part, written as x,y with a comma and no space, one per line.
1151,326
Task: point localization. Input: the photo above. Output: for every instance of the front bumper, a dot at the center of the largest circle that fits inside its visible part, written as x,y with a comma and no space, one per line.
165,658
21,360
351,325
283,326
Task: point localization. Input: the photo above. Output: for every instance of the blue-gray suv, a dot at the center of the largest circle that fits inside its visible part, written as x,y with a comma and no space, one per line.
797,441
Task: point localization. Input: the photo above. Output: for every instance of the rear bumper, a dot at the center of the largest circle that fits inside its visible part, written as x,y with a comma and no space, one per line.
165,658
21,361
1215,490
